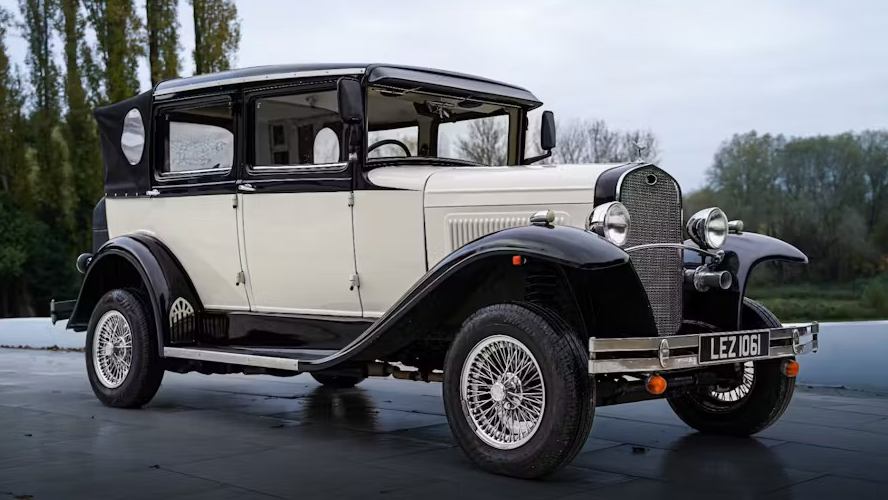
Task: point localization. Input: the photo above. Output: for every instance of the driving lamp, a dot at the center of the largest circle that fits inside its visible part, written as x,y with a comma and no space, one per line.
611,221
708,228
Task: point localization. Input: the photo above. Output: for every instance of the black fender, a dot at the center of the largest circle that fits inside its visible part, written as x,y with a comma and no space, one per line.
598,273
135,261
743,252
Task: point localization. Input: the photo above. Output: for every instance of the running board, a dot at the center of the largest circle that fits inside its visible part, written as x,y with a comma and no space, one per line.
262,358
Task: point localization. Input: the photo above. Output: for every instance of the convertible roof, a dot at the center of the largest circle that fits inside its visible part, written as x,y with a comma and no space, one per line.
380,74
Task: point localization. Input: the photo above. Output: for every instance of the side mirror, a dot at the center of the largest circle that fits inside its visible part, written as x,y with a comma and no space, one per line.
351,101
547,138
547,131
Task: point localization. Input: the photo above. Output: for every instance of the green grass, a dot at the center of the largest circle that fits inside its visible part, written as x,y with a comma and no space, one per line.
865,299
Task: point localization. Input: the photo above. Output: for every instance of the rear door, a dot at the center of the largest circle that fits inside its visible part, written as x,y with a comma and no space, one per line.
296,206
192,210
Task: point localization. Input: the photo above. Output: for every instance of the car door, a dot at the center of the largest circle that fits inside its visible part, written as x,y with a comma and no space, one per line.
296,204
189,208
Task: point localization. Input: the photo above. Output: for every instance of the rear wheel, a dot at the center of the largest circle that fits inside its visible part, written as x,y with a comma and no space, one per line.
517,392
122,360
757,400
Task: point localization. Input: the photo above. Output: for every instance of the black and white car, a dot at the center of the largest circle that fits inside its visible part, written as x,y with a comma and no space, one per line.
324,219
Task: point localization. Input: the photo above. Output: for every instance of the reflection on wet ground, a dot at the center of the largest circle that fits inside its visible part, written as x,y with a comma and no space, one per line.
263,437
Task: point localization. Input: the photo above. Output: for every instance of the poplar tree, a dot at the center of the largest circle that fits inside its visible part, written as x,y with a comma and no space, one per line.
216,35
49,148
163,39
119,43
79,127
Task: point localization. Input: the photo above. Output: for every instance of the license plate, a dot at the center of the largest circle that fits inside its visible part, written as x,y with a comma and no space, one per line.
734,346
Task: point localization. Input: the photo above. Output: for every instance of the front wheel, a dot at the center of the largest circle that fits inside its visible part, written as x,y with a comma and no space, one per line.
517,392
758,399
122,360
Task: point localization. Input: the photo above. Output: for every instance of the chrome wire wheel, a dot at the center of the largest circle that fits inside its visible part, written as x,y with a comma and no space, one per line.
112,349
736,393
503,392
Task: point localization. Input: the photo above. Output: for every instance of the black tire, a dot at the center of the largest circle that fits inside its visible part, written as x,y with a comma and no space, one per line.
767,399
337,381
569,403
146,370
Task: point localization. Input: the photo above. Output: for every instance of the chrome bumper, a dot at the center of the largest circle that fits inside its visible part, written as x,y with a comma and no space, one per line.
658,354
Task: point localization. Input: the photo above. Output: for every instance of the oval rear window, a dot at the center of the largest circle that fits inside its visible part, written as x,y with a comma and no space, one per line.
132,141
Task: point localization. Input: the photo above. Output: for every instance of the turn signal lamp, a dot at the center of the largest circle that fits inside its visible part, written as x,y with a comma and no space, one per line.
790,368
655,384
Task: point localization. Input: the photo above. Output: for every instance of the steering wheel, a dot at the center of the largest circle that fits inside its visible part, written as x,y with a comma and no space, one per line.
393,142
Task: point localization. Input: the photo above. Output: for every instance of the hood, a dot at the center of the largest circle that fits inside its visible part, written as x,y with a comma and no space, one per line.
491,186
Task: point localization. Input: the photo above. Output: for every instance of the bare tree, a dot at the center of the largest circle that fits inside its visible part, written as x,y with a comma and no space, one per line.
592,141
485,142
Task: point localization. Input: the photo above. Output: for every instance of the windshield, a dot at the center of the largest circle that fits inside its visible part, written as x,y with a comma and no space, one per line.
406,123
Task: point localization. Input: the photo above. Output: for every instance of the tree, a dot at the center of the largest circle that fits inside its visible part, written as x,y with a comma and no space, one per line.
592,141
216,35
79,128
118,31
486,142
163,39
53,171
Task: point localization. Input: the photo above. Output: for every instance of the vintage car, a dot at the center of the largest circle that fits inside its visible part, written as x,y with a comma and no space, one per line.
329,219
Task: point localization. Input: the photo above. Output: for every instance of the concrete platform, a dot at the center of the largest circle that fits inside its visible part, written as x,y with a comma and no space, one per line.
240,437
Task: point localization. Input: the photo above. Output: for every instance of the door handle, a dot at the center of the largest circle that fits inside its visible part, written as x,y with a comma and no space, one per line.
246,188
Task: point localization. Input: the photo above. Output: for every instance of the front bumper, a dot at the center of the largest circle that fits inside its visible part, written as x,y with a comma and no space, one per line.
680,352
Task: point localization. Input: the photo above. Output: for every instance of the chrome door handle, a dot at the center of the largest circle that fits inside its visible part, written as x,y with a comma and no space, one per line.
152,192
246,188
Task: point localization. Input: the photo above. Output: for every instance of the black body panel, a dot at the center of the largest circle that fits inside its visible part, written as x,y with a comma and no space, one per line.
743,252
99,226
292,331
135,261
606,185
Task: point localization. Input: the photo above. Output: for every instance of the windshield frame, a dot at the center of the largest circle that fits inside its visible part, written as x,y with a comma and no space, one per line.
428,130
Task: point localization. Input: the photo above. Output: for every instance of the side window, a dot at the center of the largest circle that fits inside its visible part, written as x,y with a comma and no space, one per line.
294,130
197,139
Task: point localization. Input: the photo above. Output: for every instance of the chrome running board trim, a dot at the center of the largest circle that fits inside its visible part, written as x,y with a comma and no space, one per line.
232,358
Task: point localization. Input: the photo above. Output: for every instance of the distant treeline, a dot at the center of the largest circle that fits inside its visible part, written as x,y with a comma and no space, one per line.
50,165
827,195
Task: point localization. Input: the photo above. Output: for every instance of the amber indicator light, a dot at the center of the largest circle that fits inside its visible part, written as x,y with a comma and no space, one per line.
655,384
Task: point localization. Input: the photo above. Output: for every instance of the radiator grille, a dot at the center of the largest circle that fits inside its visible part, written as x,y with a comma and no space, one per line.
654,203
464,228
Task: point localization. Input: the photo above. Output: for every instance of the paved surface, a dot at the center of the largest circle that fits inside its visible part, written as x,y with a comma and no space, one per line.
240,437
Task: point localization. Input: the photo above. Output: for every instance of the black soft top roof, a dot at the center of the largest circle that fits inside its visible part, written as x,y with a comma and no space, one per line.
382,74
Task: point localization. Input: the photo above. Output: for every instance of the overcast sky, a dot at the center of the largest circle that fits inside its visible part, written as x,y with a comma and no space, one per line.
694,72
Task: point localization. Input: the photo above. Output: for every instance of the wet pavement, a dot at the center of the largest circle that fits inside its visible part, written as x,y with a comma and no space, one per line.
245,437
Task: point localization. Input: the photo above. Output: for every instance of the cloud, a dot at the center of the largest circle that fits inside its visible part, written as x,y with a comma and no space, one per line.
694,72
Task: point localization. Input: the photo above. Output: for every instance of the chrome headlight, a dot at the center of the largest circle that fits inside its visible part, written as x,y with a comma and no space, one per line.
708,228
610,220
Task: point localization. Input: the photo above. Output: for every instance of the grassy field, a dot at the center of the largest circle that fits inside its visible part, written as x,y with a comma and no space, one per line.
865,299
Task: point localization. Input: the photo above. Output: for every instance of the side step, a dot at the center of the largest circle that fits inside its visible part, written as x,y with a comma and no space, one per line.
279,359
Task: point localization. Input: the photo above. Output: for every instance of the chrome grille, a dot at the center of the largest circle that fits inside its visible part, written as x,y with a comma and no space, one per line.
654,203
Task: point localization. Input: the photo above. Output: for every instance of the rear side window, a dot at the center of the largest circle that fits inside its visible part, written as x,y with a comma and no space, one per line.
297,130
198,139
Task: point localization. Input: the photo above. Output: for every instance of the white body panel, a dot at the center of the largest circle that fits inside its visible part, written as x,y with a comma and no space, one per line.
390,246
201,231
299,253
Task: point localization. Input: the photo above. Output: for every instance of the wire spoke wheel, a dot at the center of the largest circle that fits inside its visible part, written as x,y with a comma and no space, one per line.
112,349
503,393
736,394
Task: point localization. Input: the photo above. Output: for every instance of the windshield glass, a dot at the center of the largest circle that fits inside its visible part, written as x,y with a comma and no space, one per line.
440,127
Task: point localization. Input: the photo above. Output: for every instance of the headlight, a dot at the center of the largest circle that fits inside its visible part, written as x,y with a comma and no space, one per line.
708,228
610,220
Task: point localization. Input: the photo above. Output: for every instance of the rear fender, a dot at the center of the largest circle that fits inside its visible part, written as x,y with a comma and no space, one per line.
135,261
743,252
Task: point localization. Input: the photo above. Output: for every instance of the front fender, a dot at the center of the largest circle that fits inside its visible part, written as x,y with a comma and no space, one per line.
743,252
598,271
135,261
